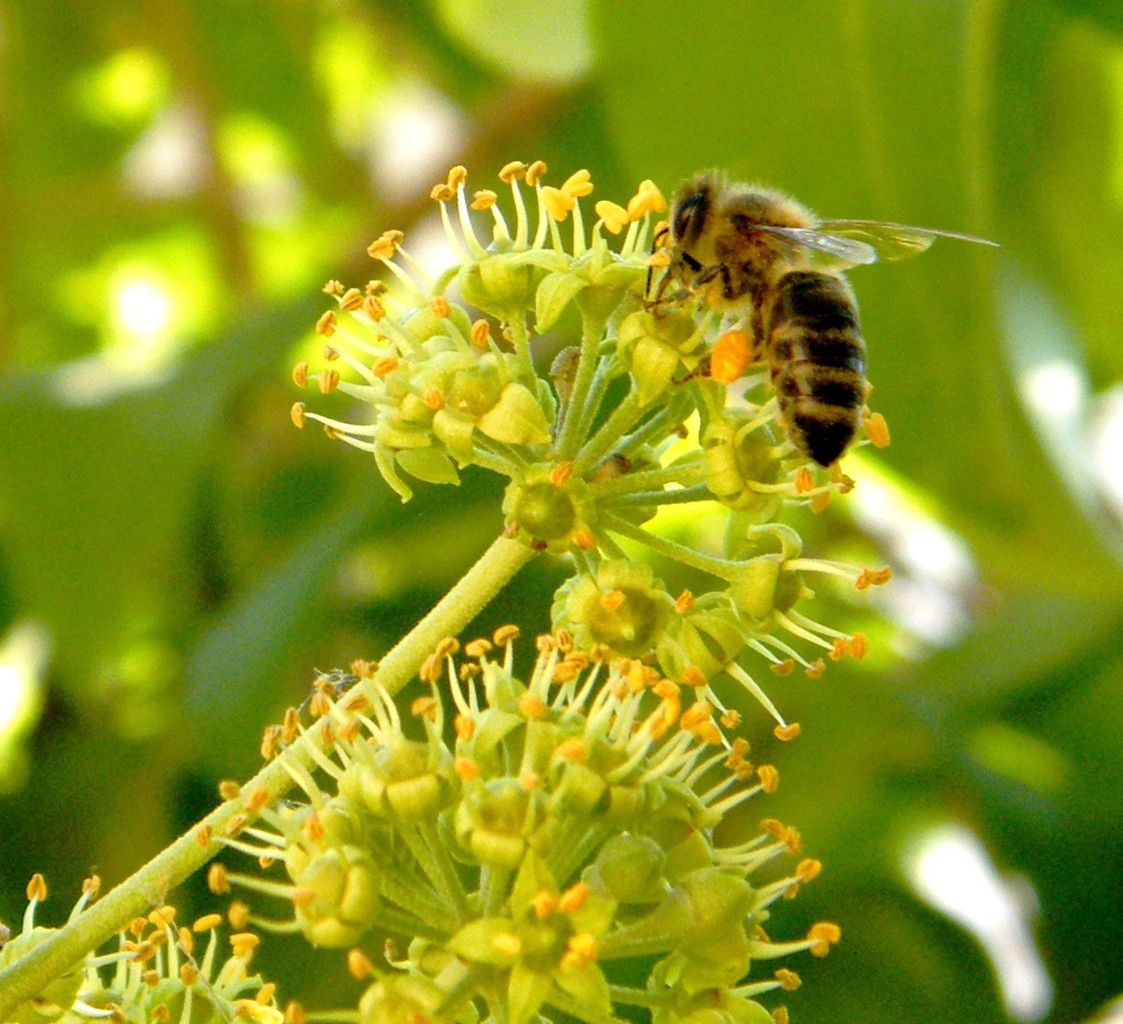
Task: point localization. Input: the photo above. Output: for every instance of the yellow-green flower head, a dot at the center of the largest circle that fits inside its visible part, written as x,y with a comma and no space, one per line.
158,972
525,837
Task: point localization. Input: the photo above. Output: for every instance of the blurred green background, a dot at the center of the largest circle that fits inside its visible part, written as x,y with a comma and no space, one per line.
179,178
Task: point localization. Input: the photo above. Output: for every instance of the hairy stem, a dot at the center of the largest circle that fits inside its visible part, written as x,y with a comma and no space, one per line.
148,886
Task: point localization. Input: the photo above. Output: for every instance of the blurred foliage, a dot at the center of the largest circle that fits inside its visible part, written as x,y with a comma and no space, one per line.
179,179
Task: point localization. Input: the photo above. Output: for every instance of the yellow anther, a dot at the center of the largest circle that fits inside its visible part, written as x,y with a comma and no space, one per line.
684,603
464,726
325,326
384,367
859,645
578,184
203,836
581,952
91,886
783,668
535,172
694,677
350,300
804,481
217,881
424,707
558,203
442,193
573,749
786,733
505,635
439,307
457,176
789,980
584,540
769,778
484,199
840,649
731,718
615,217
780,1015
545,903
385,245
359,965
207,923
816,669
877,430
373,308
466,769
573,899
188,974
820,501
529,782
300,374
238,914
826,934
333,288
561,473
655,199
328,381
532,707
512,171
480,334
808,870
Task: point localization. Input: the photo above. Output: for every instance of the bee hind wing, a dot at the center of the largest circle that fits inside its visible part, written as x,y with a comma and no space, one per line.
830,249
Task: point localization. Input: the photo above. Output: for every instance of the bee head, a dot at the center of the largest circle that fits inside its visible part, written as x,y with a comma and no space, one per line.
690,210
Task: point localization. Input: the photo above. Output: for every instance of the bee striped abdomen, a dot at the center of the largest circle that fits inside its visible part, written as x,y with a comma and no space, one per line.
818,360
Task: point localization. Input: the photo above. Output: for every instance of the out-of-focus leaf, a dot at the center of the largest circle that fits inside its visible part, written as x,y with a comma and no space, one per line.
546,43
828,109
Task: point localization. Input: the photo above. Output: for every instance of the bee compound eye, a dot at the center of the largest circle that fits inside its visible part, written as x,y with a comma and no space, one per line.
688,217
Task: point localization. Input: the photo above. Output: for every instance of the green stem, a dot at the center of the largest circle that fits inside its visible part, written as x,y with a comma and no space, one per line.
522,349
29,975
610,432
570,436
719,567
684,473
648,499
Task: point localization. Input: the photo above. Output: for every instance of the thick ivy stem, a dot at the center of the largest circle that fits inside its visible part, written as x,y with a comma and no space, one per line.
29,975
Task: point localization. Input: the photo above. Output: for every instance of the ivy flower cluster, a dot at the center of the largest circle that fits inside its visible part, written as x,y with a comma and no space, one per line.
527,839
160,972
634,414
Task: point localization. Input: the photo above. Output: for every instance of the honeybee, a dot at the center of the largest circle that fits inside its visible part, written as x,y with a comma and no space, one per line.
755,252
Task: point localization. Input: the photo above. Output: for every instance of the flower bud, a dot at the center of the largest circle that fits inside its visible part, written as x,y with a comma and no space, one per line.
401,999
654,348
735,458
337,897
502,284
494,819
629,868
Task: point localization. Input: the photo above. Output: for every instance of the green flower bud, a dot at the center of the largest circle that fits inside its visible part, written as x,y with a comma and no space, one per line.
708,638
555,292
401,999
337,897
399,780
735,458
625,607
629,868
655,347
759,587
423,325
502,284
338,823
516,418
494,820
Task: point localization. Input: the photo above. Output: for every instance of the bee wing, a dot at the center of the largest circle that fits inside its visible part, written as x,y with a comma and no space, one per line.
893,241
832,251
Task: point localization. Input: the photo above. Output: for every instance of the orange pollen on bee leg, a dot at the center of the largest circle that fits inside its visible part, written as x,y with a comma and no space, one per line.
659,259
731,353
